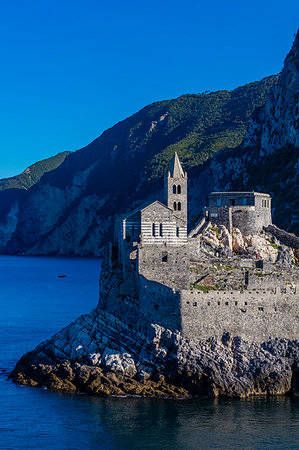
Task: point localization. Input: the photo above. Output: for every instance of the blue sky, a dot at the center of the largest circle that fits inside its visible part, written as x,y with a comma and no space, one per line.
71,69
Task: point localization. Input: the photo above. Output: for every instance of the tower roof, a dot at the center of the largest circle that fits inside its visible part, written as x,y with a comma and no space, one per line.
175,168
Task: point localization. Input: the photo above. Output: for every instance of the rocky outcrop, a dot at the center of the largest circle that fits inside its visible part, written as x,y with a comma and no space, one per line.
99,354
272,244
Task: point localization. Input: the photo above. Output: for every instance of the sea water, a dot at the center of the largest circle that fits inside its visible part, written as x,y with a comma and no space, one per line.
35,303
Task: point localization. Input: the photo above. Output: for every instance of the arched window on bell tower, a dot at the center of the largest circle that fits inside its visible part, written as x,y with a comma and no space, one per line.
174,206
179,206
179,190
174,189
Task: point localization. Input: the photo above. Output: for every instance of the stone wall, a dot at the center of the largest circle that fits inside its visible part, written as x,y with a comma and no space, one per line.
168,266
249,219
284,237
253,315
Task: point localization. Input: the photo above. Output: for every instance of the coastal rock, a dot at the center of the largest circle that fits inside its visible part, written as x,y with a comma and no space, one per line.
156,362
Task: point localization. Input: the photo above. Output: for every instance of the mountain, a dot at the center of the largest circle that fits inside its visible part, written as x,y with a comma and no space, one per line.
268,158
71,209
33,173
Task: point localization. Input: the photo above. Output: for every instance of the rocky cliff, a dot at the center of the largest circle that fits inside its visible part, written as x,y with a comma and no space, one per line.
268,158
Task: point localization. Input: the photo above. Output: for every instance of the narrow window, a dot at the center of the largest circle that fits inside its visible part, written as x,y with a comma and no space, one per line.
179,206
161,230
177,232
154,230
164,256
179,189
174,189
174,206
232,201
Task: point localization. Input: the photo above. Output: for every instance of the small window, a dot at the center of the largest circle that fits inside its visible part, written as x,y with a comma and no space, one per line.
161,230
128,238
177,232
154,230
179,206
260,308
194,303
179,189
174,189
232,202
164,257
174,206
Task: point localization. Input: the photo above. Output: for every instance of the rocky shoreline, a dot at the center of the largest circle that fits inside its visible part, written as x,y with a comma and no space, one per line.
98,354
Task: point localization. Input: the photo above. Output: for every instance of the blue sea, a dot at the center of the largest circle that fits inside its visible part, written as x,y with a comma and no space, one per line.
35,303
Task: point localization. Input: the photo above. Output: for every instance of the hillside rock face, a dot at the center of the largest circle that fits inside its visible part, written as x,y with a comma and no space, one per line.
99,354
268,158
276,124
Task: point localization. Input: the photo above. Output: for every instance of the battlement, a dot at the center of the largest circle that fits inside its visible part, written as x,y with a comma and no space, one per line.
253,315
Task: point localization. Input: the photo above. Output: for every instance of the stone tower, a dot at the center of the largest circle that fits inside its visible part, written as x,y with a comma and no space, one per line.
175,186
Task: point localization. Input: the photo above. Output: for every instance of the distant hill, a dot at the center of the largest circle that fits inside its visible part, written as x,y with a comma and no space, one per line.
33,173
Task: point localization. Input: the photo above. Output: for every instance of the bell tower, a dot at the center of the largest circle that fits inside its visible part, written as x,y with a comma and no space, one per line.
175,186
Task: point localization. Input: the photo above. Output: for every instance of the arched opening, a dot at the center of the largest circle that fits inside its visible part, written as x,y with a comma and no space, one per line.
179,206
179,189
154,230
161,230
174,206
174,189
177,232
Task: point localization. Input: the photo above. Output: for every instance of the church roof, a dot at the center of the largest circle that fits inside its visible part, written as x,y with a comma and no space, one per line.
175,168
143,207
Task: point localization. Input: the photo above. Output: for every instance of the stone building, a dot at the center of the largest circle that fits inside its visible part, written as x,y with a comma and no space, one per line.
154,253
248,211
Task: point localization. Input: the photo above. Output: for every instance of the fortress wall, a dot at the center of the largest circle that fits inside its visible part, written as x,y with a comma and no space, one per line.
255,316
248,219
161,304
284,237
221,216
163,271
168,266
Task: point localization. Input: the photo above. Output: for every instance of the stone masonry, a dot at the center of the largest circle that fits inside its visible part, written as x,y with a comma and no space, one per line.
154,253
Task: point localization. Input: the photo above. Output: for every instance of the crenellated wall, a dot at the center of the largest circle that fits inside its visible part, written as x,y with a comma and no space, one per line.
253,315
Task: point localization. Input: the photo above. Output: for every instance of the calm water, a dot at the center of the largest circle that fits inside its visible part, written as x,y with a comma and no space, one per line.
35,303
